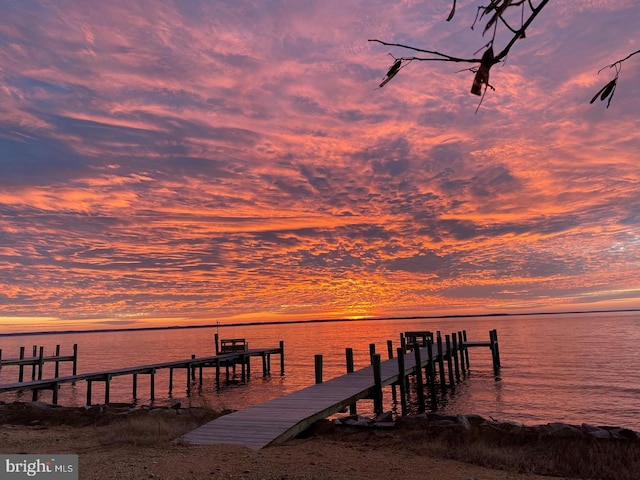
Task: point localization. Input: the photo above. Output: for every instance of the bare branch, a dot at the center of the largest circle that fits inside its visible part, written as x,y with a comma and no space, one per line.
609,89
441,57
494,11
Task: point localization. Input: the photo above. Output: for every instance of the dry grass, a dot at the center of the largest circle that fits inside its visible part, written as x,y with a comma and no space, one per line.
114,426
147,430
573,457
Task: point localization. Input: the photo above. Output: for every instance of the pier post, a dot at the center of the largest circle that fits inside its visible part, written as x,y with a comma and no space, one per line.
443,383
54,394
403,342
107,386
377,380
466,349
419,383
170,381
0,359
495,351
152,384
33,365
21,368
318,368
40,362
192,368
402,381
134,386
390,352
281,357
89,385
454,339
372,351
216,339
349,360
449,360
461,351
57,364
431,377
75,361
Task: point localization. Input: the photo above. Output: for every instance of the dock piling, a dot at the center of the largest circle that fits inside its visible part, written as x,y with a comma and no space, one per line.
443,382
495,351
456,363
449,360
281,357
377,380
402,381
431,377
318,368
466,349
57,365
418,373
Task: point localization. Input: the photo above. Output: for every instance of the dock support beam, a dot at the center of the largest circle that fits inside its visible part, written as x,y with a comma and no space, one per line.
318,368
281,357
419,383
377,380
495,351
402,381
454,339
449,361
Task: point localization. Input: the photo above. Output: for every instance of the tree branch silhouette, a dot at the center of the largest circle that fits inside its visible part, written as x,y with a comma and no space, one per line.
494,13
606,92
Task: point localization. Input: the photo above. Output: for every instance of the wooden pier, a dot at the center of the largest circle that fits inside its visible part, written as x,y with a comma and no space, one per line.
222,360
37,361
285,417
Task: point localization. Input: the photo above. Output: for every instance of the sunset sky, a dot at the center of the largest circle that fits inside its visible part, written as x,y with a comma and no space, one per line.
184,162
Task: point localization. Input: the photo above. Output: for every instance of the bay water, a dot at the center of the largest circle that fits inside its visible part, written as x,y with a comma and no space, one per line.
572,368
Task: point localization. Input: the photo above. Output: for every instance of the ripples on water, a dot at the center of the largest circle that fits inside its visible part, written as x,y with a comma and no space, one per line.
568,368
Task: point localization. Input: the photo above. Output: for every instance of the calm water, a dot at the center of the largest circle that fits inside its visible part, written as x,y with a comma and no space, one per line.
568,368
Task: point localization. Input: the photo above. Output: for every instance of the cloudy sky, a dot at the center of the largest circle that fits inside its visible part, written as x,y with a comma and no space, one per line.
193,161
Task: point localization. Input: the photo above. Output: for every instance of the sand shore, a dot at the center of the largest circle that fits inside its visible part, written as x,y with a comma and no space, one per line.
144,447
318,457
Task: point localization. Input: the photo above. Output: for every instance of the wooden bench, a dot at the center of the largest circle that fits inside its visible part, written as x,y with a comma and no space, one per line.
232,345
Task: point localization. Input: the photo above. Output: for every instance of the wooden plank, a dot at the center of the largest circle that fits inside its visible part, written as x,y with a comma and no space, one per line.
283,418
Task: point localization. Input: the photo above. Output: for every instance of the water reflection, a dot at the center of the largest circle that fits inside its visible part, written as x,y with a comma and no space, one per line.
548,370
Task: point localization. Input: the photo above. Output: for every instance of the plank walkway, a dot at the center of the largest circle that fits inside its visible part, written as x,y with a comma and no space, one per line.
285,417
190,365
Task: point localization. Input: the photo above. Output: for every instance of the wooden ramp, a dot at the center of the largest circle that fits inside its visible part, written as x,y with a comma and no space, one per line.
285,417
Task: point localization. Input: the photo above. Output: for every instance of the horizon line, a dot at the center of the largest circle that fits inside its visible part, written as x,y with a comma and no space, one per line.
326,320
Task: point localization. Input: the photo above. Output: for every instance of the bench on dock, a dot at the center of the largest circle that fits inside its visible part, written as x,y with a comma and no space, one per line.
232,345
419,337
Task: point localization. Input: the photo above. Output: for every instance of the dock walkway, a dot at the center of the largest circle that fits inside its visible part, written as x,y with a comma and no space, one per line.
285,417
190,365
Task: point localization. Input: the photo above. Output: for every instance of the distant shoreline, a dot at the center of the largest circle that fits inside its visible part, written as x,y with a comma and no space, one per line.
292,322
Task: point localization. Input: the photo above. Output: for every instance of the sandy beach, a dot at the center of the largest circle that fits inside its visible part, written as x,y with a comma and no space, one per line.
145,445
328,456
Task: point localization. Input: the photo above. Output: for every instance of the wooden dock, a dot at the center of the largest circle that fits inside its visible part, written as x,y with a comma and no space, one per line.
285,417
191,365
37,361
